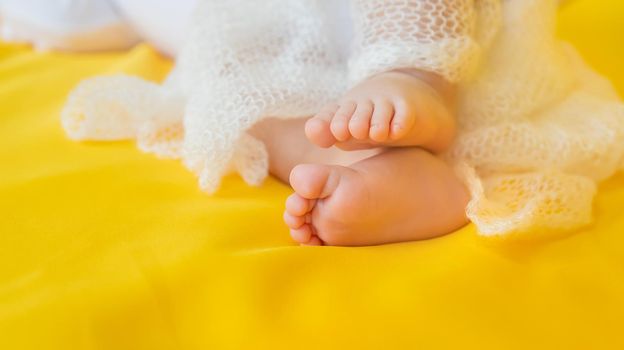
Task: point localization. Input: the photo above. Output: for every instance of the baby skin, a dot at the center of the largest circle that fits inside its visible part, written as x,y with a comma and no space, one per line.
382,182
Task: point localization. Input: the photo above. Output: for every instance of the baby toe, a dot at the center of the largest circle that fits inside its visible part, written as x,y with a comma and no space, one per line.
340,122
360,122
380,121
402,122
294,221
317,128
302,235
297,205
314,181
314,241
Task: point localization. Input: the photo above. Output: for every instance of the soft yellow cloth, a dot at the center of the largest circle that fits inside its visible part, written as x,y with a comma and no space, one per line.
102,247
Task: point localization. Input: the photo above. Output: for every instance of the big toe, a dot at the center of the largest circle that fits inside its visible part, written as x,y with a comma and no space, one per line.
314,181
319,132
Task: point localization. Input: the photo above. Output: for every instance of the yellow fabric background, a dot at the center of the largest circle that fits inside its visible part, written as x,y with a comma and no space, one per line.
103,247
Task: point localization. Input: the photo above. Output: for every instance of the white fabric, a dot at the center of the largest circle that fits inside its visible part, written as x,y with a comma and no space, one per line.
73,25
163,23
538,129
88,25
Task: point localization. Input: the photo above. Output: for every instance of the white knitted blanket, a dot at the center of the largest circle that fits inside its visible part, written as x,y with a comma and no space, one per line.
538,128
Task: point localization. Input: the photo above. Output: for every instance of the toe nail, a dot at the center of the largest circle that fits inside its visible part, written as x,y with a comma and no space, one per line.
397,127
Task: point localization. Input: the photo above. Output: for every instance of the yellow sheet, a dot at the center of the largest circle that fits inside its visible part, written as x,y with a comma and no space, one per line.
103,247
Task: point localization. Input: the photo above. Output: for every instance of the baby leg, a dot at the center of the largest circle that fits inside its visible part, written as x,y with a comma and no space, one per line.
365,197
68,25
288,147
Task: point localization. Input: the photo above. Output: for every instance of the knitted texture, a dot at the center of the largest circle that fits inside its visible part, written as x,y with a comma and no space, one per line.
538,129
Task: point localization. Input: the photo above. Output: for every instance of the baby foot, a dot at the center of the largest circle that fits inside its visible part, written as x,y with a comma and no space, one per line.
390,109
348,206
